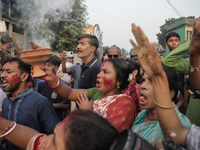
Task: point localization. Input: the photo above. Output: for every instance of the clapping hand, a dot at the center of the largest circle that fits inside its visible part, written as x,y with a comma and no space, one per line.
83,102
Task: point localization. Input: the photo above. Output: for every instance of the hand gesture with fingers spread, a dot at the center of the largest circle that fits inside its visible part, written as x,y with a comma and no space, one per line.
83,102
147,53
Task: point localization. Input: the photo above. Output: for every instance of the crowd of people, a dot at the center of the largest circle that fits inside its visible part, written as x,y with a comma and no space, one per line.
115,103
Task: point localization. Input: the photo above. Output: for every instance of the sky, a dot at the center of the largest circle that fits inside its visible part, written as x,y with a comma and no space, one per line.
114,17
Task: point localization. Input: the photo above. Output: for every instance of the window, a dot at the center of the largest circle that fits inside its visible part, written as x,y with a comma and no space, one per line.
189,35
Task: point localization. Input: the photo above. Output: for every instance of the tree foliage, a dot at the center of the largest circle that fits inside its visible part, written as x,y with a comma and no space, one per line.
60,31
105,48
67,33
124,53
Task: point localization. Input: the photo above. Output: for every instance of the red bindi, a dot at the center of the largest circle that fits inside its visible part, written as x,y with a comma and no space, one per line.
5,66
81,40
105,62
107,82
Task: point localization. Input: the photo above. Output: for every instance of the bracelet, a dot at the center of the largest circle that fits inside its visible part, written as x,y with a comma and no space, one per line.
193,68
165,107
13,127
7,128
56,85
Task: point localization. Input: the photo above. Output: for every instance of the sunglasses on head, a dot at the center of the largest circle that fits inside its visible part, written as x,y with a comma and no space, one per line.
112,56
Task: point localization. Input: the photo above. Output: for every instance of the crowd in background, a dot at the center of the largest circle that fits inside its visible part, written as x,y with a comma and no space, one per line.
112,103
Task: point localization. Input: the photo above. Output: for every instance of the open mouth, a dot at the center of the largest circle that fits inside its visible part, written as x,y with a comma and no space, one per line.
97,84
4,82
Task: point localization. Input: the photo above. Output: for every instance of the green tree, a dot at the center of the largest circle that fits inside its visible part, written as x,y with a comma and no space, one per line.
124,53
60,28
66,37
105,48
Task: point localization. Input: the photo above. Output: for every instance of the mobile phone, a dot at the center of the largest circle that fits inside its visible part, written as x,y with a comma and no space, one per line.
69,54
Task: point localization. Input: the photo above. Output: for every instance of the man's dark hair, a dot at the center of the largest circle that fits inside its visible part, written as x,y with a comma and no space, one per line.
55,60
86,130
23,67
172,34
93,41
119,50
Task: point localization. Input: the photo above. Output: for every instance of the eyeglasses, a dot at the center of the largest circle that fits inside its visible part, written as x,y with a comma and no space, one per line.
112,56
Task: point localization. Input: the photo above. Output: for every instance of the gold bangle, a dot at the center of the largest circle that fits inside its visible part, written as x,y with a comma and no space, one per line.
165,107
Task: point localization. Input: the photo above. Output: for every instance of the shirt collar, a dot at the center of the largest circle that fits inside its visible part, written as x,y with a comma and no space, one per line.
90,63
22,94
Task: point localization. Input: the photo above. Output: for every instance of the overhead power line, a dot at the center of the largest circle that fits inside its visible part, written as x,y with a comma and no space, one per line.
177,12
117,19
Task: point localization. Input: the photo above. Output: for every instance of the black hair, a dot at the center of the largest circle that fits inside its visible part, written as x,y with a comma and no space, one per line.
122,71
172,81
119,50
172,34
86,130
55,60
93,41
23,67
134,65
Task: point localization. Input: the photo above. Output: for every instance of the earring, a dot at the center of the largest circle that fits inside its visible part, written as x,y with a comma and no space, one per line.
134,77
118,85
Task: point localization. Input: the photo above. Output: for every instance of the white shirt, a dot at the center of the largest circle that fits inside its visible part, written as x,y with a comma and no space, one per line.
64,76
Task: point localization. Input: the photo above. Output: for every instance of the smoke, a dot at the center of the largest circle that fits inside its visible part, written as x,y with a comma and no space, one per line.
44,14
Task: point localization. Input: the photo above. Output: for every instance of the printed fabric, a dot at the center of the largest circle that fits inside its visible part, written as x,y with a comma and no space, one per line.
132,91
193,138
119,110
151,130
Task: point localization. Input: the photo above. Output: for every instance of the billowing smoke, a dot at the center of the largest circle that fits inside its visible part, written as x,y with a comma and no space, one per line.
38,19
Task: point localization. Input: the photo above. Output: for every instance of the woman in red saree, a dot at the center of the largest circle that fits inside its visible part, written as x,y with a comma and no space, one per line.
106,98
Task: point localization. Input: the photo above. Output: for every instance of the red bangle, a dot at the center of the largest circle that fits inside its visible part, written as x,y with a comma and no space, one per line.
56,85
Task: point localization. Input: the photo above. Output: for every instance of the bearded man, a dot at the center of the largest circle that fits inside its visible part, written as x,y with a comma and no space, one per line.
22,104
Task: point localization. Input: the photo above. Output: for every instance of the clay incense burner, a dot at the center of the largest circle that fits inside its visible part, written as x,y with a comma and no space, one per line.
35,57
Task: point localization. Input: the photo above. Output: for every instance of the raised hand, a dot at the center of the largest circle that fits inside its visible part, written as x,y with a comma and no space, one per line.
195,44
147,53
